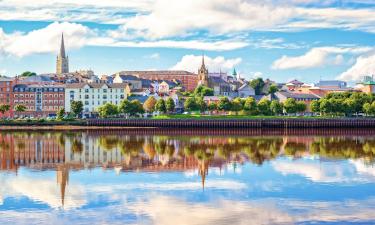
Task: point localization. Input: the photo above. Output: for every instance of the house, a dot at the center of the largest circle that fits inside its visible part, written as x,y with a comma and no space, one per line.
93,95
245,91
294,84
133,81
282,96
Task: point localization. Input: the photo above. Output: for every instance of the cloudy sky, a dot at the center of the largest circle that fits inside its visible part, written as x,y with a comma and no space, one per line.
278,39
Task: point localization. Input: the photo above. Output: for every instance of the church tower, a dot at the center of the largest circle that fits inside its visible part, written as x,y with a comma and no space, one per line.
62,61
203,74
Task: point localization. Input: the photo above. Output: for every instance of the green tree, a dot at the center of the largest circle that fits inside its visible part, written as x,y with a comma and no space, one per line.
212,106
369,109
28,74
326,106
170,105
76,107
349,106
315,106
20,108
190,104
273,89
224,104
60,114
264,107
258,85
201,104
290,105
301,106
236,105
250,105
202,91
276,107
107,110
4,108
136,107
149,105
160,106
126,107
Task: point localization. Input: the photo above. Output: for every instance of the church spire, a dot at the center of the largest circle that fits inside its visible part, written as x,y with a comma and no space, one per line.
62,61
62,47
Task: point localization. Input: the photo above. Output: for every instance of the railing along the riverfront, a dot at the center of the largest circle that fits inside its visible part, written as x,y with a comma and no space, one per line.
237,123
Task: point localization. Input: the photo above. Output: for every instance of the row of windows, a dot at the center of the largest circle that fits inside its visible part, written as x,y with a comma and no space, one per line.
44,102
99,103
111,90
32,95
17,89
31,108
5,89
99,97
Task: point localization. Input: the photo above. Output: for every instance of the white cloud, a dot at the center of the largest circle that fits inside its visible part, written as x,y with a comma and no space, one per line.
45,191
317,57
364,65
189,44
45,40
192,63
157,18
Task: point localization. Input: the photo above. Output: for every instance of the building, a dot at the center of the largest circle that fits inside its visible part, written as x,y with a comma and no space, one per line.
245,90
93,95
217,83
282,96
331,84
62,61
188,80
40,100
367,85
6,94
133,81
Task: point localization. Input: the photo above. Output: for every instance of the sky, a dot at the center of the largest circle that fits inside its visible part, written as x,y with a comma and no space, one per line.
277,39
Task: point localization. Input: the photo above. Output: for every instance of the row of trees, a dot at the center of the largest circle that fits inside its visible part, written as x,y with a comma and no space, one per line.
248,105
346,103
5,108
135,107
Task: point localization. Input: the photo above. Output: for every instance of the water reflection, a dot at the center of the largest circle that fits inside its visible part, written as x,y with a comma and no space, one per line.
166,163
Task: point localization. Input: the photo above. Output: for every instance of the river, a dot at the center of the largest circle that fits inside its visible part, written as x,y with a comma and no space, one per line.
167,178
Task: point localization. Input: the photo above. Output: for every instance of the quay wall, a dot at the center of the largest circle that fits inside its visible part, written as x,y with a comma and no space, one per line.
236,123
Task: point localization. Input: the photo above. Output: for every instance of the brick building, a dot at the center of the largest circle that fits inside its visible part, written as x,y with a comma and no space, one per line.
41,100
187,79
6,94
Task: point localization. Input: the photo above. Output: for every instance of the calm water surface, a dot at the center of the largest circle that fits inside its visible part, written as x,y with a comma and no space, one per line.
116,177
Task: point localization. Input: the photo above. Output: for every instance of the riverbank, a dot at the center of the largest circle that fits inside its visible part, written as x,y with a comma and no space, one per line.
219,123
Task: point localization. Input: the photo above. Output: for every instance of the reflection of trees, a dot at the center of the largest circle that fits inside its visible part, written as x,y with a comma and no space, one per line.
131,146
262,149
108,143
77,146
339,148
292,148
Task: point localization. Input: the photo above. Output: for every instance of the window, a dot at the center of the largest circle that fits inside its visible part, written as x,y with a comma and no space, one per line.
104,90
86,90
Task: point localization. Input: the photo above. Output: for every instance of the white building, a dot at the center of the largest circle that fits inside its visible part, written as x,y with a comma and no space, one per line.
94,95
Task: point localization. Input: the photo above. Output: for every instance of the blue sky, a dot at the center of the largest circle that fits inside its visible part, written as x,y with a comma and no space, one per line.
281,40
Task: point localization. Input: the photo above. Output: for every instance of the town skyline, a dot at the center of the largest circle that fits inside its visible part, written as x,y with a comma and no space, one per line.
309,45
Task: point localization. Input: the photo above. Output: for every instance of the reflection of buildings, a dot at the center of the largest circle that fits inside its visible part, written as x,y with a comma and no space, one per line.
62,180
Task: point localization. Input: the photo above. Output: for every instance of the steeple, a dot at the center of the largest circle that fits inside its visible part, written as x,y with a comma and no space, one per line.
62,61
203,74
62,47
